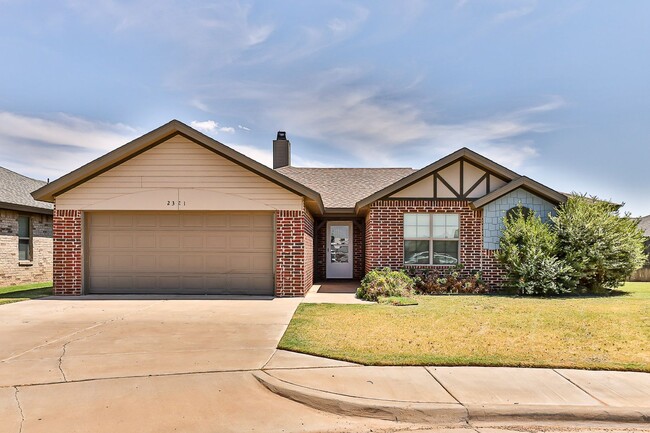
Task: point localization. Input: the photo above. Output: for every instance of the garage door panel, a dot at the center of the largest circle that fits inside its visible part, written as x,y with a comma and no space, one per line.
263,241
122,220
145,262
193,240
145,220
122,240
169,263
180,253
240,241
145,240
168,240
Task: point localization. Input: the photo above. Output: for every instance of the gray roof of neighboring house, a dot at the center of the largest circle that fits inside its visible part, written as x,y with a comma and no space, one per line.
344,187
15,192
644,224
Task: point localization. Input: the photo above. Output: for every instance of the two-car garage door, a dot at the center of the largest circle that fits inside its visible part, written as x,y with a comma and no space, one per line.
179,253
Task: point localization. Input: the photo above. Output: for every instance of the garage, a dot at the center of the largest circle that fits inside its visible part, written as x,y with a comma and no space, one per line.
176,252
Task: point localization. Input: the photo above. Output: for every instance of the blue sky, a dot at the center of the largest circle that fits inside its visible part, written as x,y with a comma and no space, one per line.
556,90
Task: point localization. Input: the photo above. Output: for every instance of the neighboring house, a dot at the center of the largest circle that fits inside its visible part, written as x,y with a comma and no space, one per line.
175,211
25,231
643,274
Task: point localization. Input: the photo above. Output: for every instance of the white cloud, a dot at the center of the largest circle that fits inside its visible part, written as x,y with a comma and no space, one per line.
52,146
211,126
205,126
521,9
244,128
360,121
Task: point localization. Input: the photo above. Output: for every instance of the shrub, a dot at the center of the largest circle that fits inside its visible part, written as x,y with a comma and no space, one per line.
528,252
449,280
385,283
601,247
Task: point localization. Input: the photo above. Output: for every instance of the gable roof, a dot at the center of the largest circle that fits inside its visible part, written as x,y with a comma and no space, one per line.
15,193
644,224
464,153
157,136
525,183
344,187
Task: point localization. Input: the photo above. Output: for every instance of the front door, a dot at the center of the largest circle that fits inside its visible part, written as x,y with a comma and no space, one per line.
339,249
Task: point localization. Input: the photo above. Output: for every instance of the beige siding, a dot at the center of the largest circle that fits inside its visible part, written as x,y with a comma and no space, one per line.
422,188
451,174
178,174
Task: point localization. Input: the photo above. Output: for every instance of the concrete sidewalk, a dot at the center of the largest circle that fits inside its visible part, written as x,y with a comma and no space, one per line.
459,394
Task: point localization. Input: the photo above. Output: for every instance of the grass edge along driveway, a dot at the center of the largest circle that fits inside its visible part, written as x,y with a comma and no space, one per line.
24,292
609,333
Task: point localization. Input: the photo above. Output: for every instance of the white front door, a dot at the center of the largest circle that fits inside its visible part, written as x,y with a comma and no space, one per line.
339,249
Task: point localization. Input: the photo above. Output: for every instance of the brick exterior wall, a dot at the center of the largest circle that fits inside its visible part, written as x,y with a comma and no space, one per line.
39,269
294,252
68,252
385,235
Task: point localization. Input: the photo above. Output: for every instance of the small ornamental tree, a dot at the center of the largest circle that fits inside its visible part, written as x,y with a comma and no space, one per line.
528,251
602,247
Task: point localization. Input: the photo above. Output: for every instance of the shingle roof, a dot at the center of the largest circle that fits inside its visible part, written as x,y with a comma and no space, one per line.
15,189
344,187
644,224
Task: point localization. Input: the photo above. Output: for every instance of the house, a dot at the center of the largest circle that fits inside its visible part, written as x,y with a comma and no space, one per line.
177,212
643,274
25,231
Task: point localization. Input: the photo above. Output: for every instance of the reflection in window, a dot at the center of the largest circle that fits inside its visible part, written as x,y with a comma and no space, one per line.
24,238
431,238
339,244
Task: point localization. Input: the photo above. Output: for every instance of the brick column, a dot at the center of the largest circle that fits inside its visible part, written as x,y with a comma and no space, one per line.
294,253
67,254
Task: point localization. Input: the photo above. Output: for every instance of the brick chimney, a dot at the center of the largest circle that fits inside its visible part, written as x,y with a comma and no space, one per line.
281,151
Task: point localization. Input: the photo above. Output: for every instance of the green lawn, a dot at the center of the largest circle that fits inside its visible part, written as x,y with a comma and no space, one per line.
25,291
610,332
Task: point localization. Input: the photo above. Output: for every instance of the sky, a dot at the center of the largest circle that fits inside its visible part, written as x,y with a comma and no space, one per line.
558,91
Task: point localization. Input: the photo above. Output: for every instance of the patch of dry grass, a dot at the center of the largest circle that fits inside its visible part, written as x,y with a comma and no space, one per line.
610,332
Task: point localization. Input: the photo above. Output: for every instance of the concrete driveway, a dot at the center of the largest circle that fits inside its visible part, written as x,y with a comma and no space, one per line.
125,364
61,339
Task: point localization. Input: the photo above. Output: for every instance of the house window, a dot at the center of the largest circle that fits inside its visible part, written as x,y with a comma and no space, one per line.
24,238
431,239
513,212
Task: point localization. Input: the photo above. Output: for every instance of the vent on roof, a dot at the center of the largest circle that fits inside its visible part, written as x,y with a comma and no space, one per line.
281,151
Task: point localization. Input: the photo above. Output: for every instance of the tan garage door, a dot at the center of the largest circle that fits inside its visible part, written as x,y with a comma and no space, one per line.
179,253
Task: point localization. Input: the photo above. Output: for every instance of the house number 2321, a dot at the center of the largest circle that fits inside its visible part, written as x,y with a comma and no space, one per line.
175,202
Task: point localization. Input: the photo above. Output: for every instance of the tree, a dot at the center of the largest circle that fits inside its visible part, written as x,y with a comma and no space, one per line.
601,247
528,251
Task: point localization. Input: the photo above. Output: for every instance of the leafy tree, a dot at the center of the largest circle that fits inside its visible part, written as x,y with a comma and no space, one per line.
602,247
528,252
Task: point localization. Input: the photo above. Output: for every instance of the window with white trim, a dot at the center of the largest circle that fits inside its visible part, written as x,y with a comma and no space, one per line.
431,238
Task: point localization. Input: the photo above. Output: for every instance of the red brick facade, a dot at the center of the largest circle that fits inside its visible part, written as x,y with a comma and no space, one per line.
294,253
385,235
67,254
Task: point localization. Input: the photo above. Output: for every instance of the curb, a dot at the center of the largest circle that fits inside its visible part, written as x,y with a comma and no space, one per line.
364,407
446,413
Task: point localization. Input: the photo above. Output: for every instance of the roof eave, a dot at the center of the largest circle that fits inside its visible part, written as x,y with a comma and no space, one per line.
50,191
26,208
522,182
466,153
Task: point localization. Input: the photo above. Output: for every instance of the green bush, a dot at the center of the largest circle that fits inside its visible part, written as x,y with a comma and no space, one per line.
602,247
588,247
448,280
528,252
385,283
